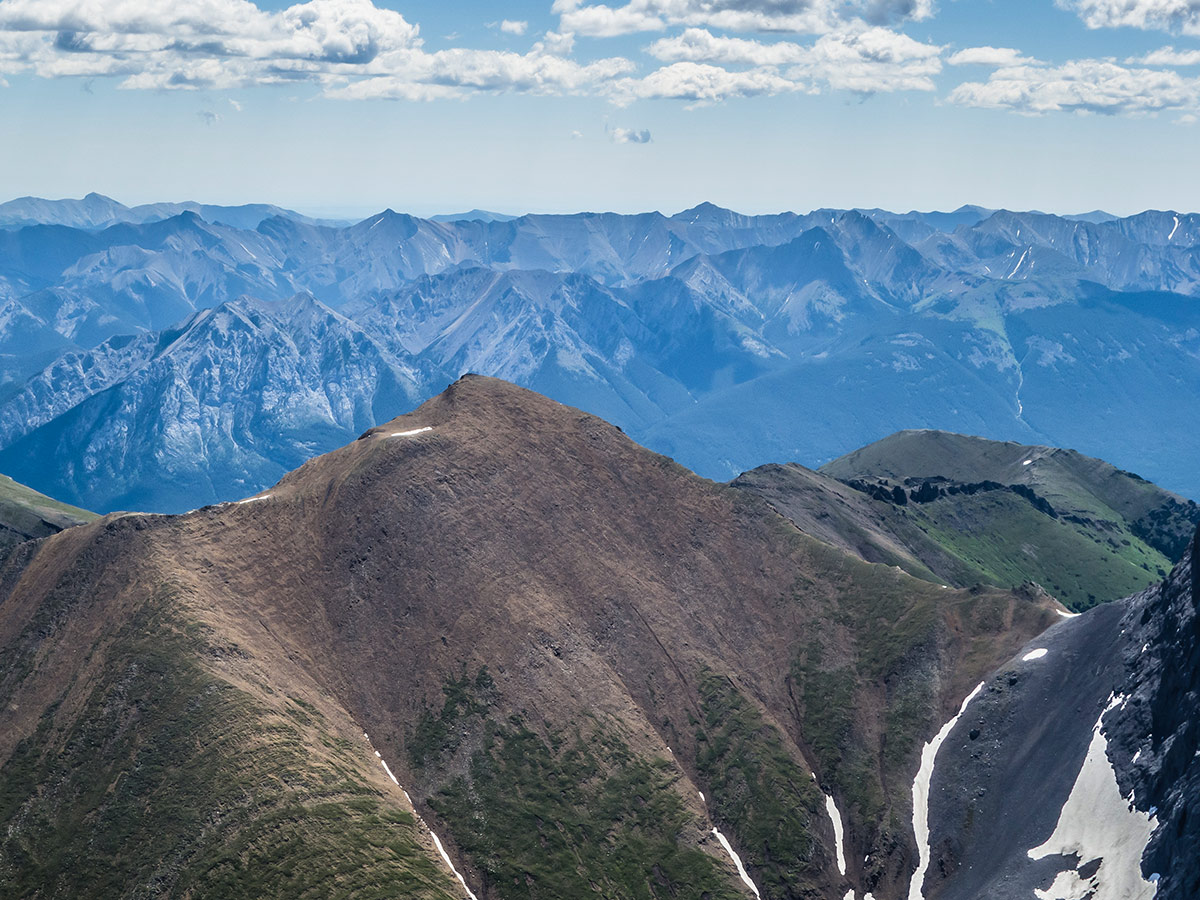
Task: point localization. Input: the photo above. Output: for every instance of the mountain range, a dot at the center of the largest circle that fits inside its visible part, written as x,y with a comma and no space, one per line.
495,649
164,364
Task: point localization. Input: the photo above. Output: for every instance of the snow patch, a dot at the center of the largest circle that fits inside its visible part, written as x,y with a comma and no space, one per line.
737,861
1067,615
390,775
1174,228
1098,823
436,841
411,433
839,833
1027,462
1019,261
920,792
254,499
446,859
1034,654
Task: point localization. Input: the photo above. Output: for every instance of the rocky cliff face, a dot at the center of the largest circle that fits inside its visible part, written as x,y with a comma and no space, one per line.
228,402
1156,734
1074,772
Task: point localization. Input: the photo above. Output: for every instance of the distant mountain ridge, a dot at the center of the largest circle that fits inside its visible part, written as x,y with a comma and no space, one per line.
96,211
724,340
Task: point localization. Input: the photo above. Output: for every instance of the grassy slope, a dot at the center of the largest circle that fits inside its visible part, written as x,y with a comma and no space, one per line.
1114,532
563,811
25,514
162,778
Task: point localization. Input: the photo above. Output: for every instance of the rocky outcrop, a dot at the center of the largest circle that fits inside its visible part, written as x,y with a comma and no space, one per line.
1077,770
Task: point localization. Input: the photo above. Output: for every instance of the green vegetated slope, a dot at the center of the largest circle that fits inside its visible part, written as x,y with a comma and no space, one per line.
963,510
159,764
577,657
26,514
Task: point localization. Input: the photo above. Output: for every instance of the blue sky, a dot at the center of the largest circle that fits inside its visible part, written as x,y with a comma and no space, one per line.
344,107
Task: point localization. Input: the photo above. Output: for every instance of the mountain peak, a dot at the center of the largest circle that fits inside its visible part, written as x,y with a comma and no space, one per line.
707,213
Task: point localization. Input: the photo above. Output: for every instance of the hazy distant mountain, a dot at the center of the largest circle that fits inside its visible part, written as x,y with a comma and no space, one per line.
95,211
723,339
229,401
474,215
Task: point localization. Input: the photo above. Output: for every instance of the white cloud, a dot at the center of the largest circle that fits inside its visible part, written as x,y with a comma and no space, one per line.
1164,15
1168,56
699,45
1086,86
860,59
560,44
699,83
508,26
451,73
351,48
629,136
205,43
798,16
576,135
874,60
998,57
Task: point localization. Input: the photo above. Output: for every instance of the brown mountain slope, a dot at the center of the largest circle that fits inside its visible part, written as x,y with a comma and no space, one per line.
555,638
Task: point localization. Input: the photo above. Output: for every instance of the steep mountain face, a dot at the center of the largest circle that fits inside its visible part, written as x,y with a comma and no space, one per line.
231,400
1074,770
724,340
589,669
963,510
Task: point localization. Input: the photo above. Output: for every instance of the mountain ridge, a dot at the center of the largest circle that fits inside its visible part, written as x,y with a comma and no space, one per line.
726,341
503,592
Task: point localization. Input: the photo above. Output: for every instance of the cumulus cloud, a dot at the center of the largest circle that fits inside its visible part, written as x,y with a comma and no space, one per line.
1168,56
204,43
859,59
799,16
448,73
1085,86
629,136
351,48
700,83
1163,15
997,57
